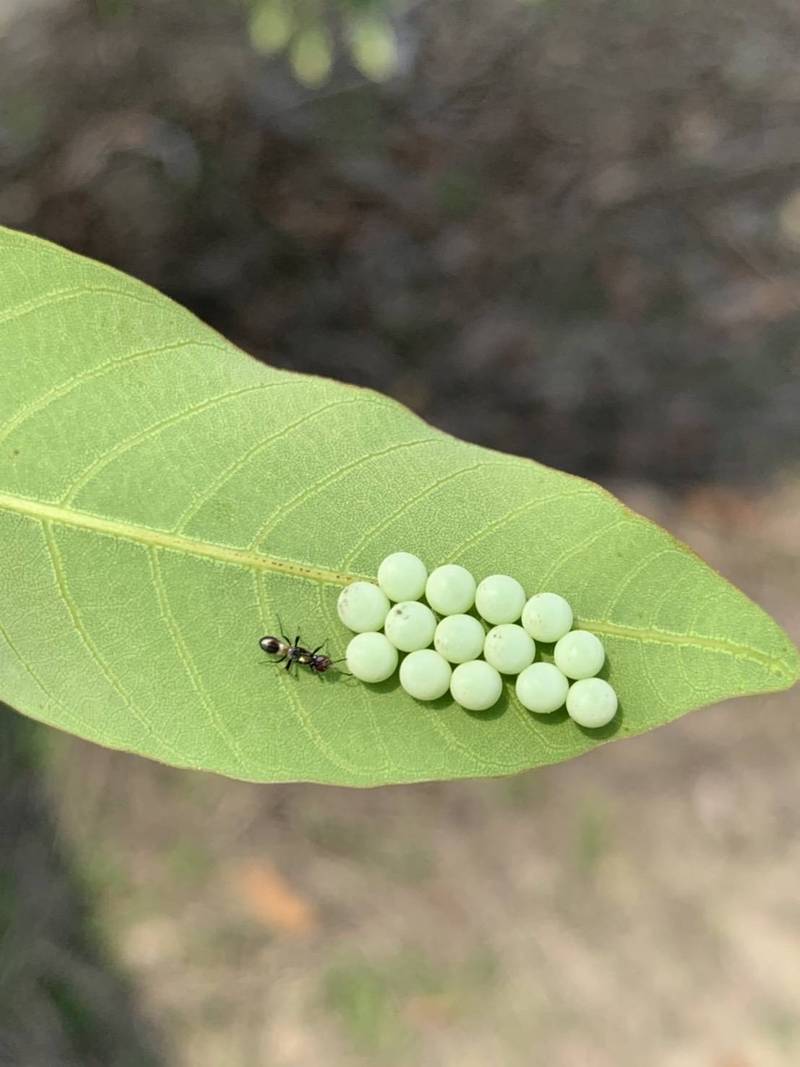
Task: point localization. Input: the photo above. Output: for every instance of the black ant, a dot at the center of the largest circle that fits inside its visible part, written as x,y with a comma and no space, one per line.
294,653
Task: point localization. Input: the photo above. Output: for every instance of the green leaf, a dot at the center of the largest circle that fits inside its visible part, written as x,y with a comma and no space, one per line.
374,47
311,56
164,498
271,25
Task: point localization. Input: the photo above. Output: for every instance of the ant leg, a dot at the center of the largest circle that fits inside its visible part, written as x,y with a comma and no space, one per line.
280,624
289,664
297,641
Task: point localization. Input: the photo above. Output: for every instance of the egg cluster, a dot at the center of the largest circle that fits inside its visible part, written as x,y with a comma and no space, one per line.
389,618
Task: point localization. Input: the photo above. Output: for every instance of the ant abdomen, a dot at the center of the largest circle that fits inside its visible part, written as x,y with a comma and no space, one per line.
271,644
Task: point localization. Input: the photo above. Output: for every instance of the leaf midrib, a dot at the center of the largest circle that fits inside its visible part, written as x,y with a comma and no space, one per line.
260,561
146,535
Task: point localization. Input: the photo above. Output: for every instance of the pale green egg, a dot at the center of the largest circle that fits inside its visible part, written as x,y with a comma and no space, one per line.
476,685
450,589
410,625
402,576
547,617
459,638
425,675
509,648
542,688
591,702
362,607
371,657
579,654
499,599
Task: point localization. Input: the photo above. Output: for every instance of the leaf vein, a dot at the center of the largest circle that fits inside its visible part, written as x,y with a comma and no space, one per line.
699,605
300,713
188,546
508,516
61,296
99,464
385,523
655,635
232,469
185,658
579,548
29,670
35,407
311,491
633,574
62,585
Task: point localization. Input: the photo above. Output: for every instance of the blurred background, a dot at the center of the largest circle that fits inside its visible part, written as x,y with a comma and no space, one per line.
568,229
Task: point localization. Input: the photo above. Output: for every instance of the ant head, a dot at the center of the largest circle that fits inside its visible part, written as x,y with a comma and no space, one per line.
320,664
270,644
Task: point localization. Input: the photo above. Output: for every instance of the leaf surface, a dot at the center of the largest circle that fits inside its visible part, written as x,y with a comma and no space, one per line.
164,499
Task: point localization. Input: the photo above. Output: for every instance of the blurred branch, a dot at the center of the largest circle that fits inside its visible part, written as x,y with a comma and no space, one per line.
736,162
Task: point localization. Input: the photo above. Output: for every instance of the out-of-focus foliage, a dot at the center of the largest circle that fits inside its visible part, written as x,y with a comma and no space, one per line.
310,31
567,229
